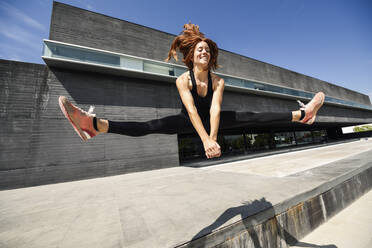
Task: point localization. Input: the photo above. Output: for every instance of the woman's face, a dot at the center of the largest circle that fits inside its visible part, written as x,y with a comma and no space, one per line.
202,55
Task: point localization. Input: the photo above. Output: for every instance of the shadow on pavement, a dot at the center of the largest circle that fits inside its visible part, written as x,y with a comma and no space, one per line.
246,210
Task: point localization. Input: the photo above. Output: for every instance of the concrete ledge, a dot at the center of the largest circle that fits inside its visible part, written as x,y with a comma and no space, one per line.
284,224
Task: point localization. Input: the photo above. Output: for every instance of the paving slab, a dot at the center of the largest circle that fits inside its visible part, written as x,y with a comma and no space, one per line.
168,207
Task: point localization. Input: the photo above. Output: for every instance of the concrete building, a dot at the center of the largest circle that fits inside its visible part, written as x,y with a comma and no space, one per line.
118,67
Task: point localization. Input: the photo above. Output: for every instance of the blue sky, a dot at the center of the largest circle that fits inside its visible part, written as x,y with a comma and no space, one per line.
326,39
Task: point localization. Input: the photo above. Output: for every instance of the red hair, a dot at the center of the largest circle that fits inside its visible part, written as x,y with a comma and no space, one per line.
186,42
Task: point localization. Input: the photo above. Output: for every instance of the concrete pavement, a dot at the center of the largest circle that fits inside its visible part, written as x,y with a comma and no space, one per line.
285,164
169,207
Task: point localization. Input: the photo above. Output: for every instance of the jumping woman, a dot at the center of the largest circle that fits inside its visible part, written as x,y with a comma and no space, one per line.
201,93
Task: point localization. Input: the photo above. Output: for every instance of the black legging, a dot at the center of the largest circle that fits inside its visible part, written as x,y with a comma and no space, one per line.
181,123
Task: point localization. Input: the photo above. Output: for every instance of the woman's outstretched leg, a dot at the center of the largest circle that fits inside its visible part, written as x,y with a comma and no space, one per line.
87,125
168,125
306,114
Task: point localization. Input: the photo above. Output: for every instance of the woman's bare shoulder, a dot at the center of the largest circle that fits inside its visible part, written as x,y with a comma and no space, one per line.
215,77
216,80
184,79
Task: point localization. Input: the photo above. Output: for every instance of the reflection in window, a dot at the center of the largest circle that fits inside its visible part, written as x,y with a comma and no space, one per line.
191,148
231,144
303,137
262,141
79,54
284,139
131,63
319,136
258,86
159,69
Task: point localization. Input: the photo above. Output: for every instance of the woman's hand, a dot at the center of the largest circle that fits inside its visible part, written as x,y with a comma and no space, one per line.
212,148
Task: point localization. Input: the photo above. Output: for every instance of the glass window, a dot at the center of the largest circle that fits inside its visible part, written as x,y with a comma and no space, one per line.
284,139
158,68
261,141
248,84
231,144
319,136
79,54
131,63
259,86
304,137
234,81
178,71
190,148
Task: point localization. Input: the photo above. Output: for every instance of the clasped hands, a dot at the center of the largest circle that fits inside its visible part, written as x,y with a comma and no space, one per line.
212,148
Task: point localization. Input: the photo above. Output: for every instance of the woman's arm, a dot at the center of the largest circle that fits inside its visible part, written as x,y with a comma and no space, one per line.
216,107
188,101
210,146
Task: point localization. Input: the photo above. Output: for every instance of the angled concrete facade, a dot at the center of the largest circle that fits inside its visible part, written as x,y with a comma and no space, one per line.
39,146
86,28
94,30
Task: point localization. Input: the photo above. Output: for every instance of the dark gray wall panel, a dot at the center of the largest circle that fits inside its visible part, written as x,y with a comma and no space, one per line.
14,143
39,146
86,28
118,98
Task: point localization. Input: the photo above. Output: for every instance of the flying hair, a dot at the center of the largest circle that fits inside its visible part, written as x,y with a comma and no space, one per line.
186,42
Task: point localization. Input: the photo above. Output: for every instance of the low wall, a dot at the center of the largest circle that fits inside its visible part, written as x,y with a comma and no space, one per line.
275,227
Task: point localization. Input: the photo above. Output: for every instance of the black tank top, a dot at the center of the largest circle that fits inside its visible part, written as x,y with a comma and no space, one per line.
202,104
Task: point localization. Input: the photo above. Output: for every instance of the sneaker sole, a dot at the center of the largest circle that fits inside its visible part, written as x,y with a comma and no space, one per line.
77,129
